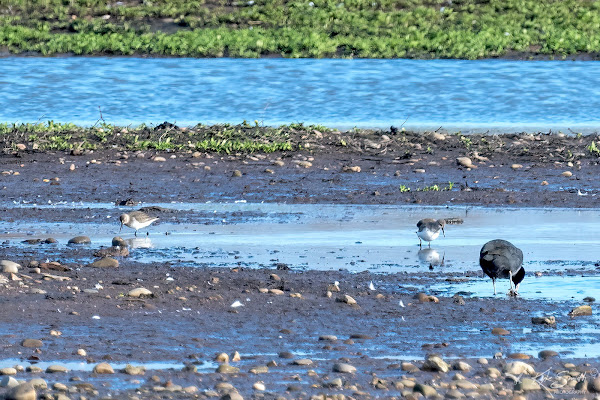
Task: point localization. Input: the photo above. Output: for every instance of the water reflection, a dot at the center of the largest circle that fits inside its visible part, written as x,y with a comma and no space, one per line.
139,243
431,257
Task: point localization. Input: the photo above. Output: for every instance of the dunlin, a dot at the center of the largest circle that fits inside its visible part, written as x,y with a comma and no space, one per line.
136,220
501,259
429,229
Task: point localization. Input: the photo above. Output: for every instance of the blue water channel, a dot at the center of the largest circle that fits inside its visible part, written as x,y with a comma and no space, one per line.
423,94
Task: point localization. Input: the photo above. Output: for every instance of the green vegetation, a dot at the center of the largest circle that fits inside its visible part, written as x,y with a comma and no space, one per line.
227,139
300,28
436,188
593,149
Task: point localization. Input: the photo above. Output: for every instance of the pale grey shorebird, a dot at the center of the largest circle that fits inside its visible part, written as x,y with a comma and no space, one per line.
136,220
429,229
501,259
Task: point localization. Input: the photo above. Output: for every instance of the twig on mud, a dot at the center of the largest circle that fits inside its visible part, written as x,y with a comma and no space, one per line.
100,119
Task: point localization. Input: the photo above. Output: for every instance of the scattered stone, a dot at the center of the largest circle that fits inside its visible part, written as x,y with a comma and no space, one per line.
346,299
80,240
8,381
24,391
227,369
547,320
222,358
113,251
500,331
519,356
408,367
516,166
519,367
277,292
262,369
331,338
119,241
351,169
9,267
589,299
527,384
56,368
580,311
567,174
236,357
106,262
419,170
103,368
435,364
465,162
8,371
303,362
424,298
81,352
236,173
304,164
259,386
547,354
232,396
594,385
425,390
33,343
544,183
344,368
140,292
454,394
461,366
159,159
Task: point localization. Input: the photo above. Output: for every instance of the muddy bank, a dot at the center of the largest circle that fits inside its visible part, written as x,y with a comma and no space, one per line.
194,314
370,168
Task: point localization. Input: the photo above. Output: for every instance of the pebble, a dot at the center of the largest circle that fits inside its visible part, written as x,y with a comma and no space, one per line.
527,384
519,356
113,251
438,136
435,364
547,354
81,352
544,183
277,292
9,267
546,320
103,368
262,369
8,371
34,343
278,163
419,171
464,384
39,383
222,358
56,368
303,362
344,368
232,396
465,162
454,394
24,391
80,240
236,357
580,311
331,338
236,173
594,385
227,369
72,167
461,366
424,298
8,381
139,292
482,361
567,174
106,262
355,168
500,331
518,368
425,390
304,164
259,386
159,159
346,299
408,367
516,166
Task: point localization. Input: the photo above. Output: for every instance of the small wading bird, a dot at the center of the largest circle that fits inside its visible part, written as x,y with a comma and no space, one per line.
136,220
429,229
501,259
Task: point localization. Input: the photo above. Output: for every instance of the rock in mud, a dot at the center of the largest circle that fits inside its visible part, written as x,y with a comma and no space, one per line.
500,331
236,174
113,251
461,366
103,368
330,338
435,364
594,385
465,162
119,241
139,292
454,394
519,367
80,240
581,311
232,396
262,369
344,368
547,354
346,299
424,298
9,267
519,356
56,368
302,361
222,358
567,174
24,391
260,386
33,343
527,384
355,168
227,369
8,371
408,367
8,381
425,390
106,262
546,320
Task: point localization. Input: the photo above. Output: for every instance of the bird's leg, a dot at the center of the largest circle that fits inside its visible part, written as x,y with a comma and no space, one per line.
135,234
494,283
512,287
148,233
429,244
419,240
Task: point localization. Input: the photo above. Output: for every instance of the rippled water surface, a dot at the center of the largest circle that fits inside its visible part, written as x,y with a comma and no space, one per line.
455,94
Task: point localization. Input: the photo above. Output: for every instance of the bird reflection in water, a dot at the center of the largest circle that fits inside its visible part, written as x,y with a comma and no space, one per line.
431,257
139,243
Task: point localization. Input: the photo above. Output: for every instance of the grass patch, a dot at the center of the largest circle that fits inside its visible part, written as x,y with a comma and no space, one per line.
298,28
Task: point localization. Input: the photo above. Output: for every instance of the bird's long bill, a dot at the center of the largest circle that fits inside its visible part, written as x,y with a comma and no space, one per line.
121,228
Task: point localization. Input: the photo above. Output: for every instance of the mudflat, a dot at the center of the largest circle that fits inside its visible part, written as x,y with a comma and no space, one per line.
283,331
